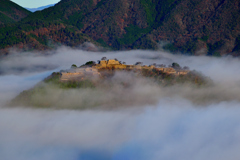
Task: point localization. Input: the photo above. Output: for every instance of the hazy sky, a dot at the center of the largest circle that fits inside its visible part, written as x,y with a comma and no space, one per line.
34,4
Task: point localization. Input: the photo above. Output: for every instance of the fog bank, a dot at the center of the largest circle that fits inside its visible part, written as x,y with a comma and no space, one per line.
176,122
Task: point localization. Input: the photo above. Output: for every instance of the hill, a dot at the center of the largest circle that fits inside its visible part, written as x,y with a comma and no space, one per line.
193,27
109,81
10,12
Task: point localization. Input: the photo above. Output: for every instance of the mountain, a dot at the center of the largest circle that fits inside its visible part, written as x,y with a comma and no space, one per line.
187,26
210,25
10,12
40,8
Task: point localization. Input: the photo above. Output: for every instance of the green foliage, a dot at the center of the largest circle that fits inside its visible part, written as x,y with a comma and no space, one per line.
102,42
212,48
133,34
7,6
89,63
55,80
150,9
237,44
101,3
144,43
176,65
164,9
216,54
156,12
13,34
190,47
73,15
76,84
170,47
34,16
11,12
10,35
46,95
76,20
204,38
74,66
42,40
5,19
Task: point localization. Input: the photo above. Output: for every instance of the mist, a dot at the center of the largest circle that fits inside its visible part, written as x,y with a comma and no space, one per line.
141,121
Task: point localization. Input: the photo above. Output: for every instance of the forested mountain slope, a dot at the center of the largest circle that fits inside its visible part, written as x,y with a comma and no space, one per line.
194,27
11,12
212,25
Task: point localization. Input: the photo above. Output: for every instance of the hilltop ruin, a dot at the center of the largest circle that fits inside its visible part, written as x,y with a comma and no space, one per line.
96,70
110,81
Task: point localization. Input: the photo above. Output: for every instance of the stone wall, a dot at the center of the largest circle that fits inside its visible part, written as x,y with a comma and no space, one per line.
92,72
71,76
80,74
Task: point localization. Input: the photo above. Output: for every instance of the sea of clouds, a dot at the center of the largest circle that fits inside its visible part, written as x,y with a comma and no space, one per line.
183,122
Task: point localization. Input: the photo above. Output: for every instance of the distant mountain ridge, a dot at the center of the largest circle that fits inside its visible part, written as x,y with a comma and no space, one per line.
194,27
10,12
39,8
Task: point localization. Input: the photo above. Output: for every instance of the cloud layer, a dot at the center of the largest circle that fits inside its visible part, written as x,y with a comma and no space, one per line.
177,122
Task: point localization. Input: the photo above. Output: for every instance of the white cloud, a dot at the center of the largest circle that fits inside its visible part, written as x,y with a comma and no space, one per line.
183,123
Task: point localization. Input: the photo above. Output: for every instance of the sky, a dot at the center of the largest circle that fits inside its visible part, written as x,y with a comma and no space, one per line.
34,4
185,122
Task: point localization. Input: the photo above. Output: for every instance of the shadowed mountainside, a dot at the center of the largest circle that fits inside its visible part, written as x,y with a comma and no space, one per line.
10,12
197,27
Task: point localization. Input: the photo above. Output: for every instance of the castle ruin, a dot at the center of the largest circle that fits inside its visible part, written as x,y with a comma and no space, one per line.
112,64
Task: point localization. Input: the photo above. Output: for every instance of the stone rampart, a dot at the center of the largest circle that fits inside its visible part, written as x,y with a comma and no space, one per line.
81,73
71,76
